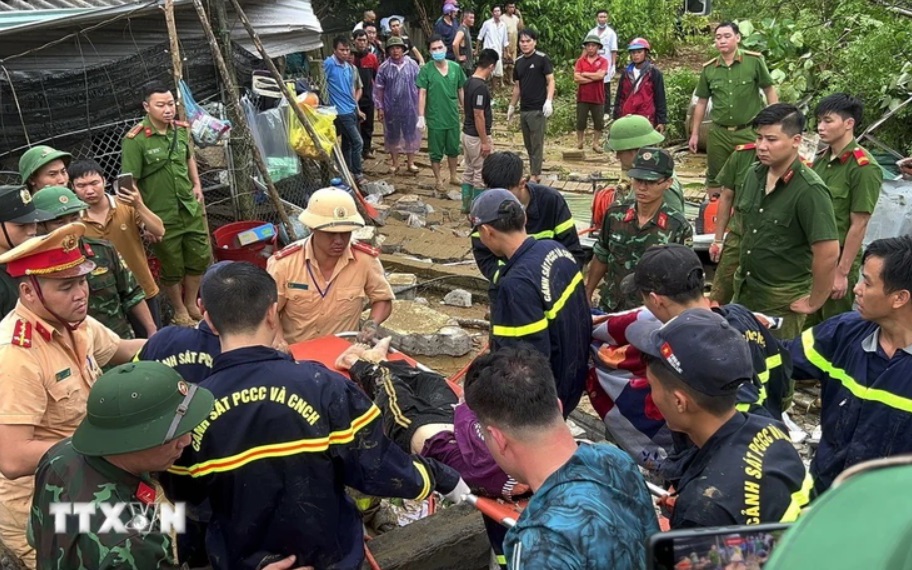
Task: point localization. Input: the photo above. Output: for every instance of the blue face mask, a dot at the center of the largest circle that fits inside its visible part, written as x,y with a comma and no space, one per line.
438,55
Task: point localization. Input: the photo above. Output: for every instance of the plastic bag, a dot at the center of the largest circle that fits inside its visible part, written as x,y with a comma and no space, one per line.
322,119
205,129
270,133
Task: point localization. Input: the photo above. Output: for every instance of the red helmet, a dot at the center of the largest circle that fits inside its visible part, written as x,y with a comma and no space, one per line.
639,43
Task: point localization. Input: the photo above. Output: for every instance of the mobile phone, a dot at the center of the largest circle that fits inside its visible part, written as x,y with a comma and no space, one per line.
124,180
744,546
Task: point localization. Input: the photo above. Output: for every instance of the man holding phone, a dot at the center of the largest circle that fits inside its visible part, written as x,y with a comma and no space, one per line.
157,153
742,468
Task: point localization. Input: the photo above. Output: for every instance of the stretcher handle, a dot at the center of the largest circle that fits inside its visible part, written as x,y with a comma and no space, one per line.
657,491
497,511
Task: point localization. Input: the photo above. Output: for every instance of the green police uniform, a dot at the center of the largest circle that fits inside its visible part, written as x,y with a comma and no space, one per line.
779,229
113,289
131,408
160,165
854,179
622,242
735,93
731,176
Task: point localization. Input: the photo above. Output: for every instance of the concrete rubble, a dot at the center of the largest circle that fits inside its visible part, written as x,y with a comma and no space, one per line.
458,298
403,285
379,188
419,330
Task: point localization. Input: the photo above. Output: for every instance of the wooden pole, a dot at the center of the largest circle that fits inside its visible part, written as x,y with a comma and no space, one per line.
231,84
176,63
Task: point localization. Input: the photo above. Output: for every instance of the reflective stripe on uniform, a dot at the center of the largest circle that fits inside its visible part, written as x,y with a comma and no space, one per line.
426,481
284,449
550,314
850,384
800,499
558,230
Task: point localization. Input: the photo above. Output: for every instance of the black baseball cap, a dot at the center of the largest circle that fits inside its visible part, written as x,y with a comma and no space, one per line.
490,206
16,206
700,347
668,269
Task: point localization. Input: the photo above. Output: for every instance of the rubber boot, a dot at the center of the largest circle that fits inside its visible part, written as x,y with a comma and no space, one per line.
468,195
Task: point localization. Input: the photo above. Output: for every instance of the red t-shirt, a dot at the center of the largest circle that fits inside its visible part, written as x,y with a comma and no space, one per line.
591,92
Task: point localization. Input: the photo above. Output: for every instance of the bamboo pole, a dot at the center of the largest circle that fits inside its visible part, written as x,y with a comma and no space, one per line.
176,63
231,84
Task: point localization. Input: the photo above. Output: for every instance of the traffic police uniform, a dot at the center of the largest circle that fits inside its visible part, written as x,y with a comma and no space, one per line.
547,217
854,179
866,397
731,176
46,368
160,166
779,229
136,407
276,453
309,305
735,93
16,207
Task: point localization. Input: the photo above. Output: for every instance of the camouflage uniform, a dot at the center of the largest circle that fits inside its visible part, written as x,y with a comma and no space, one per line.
113,289
66,475
622,242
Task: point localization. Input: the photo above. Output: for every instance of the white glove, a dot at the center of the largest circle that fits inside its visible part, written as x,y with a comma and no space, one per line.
420,125
457,495
510,110
548,109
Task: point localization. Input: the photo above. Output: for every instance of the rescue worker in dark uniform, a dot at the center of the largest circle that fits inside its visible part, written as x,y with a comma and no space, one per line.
742,468
547,213
670,279
284,440
114,292
863,360
18,221
540,299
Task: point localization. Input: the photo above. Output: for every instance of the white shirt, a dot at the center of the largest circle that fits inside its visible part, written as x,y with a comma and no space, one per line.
494,35
609,44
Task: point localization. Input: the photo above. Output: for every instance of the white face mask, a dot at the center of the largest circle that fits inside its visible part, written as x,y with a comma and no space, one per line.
602,26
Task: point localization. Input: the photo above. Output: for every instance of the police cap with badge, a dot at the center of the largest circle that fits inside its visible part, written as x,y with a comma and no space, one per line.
16,206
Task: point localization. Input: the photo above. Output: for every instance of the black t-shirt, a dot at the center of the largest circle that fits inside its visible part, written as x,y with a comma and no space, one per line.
476,96
744,474
530,71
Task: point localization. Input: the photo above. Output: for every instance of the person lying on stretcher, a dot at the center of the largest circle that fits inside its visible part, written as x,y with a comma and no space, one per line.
423,415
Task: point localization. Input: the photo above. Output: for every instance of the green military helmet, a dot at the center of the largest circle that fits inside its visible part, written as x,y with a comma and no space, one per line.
138,406
632,132
592,39
652,164
37,156
59,201
395,41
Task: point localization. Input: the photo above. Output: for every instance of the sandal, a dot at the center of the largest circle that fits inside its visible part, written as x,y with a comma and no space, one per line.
184,321
597,150
394,171
413,169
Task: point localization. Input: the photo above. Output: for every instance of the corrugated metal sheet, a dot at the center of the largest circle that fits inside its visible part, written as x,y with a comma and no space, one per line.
38,5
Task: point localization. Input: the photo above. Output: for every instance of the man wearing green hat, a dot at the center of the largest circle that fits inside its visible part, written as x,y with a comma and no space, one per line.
18,221
589,74
42,166
113,290
138,421
629,229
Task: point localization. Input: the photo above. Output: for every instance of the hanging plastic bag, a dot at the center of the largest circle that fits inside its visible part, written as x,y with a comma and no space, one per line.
322,119
205,129
270,133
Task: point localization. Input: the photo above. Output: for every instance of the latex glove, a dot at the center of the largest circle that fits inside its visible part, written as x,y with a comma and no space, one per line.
510,111
548,109
368,332
420,125
457,495
715,251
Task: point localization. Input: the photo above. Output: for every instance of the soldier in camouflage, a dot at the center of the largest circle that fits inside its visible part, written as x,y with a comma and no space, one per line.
139,418
630,228
113,289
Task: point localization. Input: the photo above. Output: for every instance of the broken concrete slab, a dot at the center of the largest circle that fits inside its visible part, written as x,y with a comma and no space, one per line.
454,195
403,285
419,330
365,234
458,298
379,187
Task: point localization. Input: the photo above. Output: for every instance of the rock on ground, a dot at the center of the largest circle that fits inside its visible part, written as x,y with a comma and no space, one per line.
420,330
458,298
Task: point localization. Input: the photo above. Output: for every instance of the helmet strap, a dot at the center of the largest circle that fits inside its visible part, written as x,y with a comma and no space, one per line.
6,235
70,327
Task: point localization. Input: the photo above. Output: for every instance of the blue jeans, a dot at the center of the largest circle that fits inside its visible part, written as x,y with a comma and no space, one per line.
350,129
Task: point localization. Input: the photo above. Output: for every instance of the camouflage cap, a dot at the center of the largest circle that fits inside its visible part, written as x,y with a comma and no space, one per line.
632,132
138,406
59,201
652,163
37,156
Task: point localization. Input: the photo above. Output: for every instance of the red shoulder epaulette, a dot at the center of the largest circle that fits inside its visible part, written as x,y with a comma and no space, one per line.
135,131
747,146
288,250
45,334
22,334
662,220
88,249
788,176
366,248
630,215
183,124
861,157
